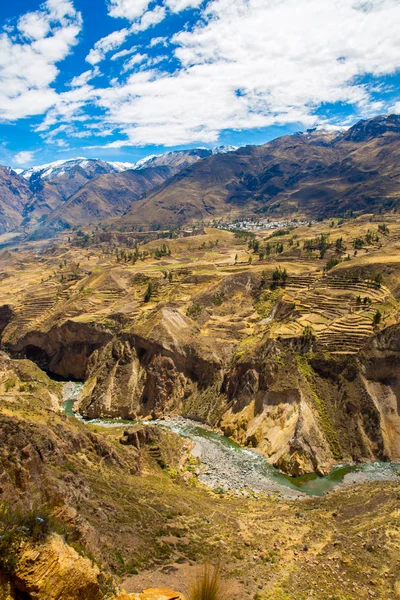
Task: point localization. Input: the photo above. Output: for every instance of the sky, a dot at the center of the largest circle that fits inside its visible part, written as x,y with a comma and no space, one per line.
122,79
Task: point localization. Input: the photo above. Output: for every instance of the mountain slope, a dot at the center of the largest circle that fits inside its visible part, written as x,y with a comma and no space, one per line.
14,195
107,196
49,186
315,174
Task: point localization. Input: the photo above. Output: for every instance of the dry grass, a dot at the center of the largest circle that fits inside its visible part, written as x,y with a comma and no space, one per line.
208,584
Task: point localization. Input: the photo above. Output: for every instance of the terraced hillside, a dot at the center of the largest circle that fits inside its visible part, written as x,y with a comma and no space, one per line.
212,323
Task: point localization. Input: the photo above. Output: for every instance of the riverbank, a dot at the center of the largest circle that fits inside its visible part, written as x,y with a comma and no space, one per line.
226,467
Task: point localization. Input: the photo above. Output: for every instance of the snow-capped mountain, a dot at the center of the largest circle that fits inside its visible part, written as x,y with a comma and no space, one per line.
51,185
59,168
94,166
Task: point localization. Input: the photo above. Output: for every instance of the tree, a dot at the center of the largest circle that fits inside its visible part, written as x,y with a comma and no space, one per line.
308,334
332,262
339,245
377,317
149,292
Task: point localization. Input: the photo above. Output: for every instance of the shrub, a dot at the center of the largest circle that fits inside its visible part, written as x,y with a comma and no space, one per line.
332,262
377,317
358,243
208,585
194,311
218,298
279,277
308,334
149,292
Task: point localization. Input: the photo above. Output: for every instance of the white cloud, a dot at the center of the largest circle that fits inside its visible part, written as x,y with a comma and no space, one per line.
287,59
83,78
128,9
158,40
24,158
28,58
246,64
123,53
115,39
179,5
132,62
34,25
149,19
106,44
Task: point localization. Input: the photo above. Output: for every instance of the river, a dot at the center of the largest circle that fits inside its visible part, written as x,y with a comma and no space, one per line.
227,466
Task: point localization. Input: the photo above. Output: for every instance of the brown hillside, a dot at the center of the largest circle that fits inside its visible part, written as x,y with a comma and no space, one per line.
313,174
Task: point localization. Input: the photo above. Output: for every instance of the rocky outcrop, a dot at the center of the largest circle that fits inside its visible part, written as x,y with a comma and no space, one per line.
141,436
114,383
153,594
308,411
51,570
63,349
54,570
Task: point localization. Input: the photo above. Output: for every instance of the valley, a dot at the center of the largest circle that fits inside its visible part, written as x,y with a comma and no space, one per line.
234,373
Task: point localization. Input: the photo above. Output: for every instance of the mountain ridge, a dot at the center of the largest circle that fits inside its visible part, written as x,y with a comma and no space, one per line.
317,173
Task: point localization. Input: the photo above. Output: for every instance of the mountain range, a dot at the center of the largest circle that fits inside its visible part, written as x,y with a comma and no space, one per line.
81,190
312,174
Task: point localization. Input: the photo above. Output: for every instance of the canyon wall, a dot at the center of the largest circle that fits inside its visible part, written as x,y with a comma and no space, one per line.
303,408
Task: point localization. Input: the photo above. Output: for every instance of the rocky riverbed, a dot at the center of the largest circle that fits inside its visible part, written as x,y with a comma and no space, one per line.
226,467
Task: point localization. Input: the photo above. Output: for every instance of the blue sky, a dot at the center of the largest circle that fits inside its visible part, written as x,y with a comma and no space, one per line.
121,79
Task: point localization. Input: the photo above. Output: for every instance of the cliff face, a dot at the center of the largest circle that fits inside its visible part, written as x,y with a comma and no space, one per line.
303,408
308,410
52,570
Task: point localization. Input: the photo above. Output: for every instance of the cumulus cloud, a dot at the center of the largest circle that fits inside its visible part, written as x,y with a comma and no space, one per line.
289,59
179,5
83,78
244,64
128,9
24,158
115,39
123,53
135,60
28,57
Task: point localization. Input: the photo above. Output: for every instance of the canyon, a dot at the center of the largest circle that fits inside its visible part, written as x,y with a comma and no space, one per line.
187,333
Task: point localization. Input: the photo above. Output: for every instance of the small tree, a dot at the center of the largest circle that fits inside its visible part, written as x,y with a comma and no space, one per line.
149,292
377,317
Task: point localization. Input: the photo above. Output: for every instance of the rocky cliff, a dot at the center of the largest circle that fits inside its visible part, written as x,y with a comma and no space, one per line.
304,408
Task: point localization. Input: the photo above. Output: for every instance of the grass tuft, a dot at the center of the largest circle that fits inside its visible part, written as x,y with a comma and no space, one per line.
208,584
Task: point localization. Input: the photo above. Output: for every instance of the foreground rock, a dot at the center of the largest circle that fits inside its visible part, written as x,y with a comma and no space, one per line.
53,570
153,594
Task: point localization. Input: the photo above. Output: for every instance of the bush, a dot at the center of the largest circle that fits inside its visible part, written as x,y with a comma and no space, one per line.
218,298
149,292
208,585
332,262
279,277
194,311
308,334
377,317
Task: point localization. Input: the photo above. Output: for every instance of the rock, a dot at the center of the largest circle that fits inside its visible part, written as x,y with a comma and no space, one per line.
53,570
153,594
139,437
